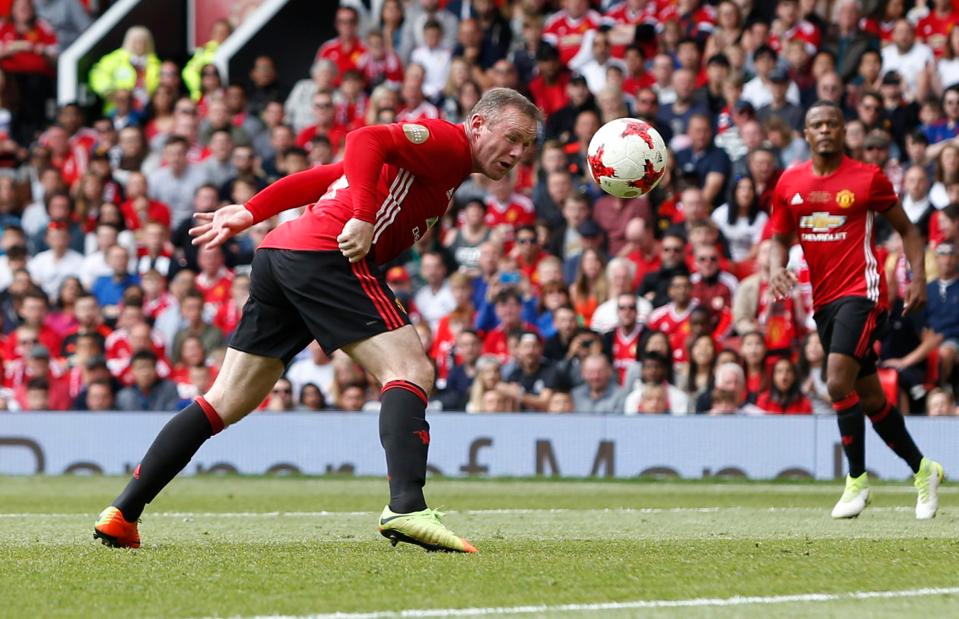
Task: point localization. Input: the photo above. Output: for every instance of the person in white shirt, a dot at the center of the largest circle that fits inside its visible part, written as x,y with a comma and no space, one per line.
654,372
758,91
49,268
434,58
913,61
316,369
593,59
95,264
621,272
435,299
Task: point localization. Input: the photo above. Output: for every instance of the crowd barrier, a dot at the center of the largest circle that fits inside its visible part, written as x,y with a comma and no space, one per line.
473,445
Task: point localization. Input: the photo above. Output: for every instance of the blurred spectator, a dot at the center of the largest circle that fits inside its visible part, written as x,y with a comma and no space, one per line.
417,14
941,403
702,355
68,19
99,396
909,59
489,380
600,392
203,57
621,275
28,53
281,397
707,162
324,123
454,394
311,398
783,396
653,373
548,87
352,398
673,319
561,402
565,326
191,308
177,182
434,299
148,392
812,364
109,289
590,287
49,268
941,313
532,380
654,400
434,58
37,395
754,352
266,87
655,285
299,105
134,67
379,64
740,219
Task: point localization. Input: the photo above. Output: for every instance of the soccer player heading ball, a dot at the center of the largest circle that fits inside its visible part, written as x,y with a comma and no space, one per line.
318,277
831,202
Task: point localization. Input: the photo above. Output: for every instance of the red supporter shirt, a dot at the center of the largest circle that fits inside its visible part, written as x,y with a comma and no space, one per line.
566,34
387,69
336,135
624,351
800,406
156,211
345,58
550,97
934,29
518,211
834,216
399,177
803,31
675,325
622,14
35,61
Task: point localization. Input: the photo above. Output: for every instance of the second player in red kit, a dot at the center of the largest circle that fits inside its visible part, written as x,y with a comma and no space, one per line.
830,205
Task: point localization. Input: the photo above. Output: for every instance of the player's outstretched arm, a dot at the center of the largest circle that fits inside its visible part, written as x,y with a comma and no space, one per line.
781,279
295,190
213,229
914,298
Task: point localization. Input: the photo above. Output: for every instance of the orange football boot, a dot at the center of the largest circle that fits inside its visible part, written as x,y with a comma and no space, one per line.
113,530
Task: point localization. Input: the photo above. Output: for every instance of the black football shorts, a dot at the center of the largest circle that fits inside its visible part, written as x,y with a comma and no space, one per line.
851,326
298,296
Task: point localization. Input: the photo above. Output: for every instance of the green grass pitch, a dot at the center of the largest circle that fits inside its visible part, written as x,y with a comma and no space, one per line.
245,547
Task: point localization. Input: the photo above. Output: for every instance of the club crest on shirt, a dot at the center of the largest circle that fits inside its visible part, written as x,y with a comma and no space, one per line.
845,198
417,134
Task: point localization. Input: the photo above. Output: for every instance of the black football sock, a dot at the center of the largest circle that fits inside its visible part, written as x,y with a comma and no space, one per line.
891,428
170,452
852,429
405,436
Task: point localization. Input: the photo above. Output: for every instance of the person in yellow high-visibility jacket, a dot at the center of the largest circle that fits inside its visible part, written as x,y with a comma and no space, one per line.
135,67
203,56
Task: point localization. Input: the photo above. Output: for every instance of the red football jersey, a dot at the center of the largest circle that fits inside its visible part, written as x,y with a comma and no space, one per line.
424,164
566,34
624,351
933,29
344,58
675,325
834,216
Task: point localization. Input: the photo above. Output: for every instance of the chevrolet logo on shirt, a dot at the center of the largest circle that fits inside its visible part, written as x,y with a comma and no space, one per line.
821,222
821,226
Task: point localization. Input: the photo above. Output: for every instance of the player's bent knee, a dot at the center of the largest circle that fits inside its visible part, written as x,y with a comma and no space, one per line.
838,388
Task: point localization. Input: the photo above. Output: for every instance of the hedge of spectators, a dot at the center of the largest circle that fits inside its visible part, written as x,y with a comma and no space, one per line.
537,293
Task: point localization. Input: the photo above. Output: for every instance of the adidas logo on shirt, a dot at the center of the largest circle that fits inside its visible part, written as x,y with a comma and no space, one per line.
797,199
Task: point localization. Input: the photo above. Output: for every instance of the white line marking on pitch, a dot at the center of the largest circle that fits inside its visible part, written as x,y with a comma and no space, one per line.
467,512
638,604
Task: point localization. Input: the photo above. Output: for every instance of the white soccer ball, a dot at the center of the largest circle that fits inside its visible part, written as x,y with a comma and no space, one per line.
627,157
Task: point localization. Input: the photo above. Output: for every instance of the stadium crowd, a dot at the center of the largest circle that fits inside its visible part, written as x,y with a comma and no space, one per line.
536,293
